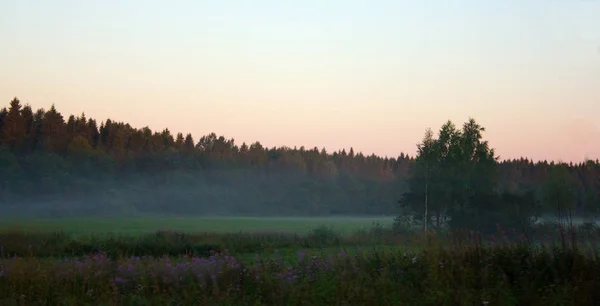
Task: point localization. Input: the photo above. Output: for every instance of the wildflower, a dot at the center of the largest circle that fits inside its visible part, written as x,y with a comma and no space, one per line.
414,260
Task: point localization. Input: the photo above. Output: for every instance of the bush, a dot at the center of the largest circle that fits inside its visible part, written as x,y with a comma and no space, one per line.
324,235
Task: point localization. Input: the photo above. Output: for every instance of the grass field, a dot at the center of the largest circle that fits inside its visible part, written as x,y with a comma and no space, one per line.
144,225
282,261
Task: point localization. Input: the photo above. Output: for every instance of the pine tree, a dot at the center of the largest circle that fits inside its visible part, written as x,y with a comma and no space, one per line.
188,143
53,131
3,114
179,141
30,128
14,128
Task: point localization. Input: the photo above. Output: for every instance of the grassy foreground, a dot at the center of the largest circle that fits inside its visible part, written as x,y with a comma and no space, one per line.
376,266
464,274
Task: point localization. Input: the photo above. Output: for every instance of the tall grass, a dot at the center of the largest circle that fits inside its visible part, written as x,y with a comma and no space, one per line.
52,244
459,268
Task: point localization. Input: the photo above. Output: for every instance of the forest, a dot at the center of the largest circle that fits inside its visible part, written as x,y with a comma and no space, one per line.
109,213
53,164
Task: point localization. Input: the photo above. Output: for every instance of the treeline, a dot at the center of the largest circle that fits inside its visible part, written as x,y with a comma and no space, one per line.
456,181
53,164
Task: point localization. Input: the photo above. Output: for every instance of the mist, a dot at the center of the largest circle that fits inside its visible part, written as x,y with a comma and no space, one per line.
51,167
236,192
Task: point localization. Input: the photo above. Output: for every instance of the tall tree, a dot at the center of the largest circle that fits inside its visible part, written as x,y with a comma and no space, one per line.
427,155
474,191
14,126
559,193
53,130
30,128
38,123
179,141
423,172
457,172
3,114
188,143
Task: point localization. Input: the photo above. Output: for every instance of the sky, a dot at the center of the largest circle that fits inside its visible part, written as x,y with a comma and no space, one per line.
371,75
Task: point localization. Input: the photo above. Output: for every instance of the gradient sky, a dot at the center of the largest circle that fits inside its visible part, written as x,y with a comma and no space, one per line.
326,73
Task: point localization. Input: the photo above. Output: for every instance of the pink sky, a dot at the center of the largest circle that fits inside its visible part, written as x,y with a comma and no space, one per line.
332,74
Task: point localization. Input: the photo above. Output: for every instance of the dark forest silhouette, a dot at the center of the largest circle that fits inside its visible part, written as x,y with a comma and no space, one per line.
53,165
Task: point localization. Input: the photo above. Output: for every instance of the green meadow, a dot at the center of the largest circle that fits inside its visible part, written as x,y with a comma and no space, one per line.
150,224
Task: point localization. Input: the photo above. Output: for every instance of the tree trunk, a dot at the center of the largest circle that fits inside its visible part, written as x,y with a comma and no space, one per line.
426,197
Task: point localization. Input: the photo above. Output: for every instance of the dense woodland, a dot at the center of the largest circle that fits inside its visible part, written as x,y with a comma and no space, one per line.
54,164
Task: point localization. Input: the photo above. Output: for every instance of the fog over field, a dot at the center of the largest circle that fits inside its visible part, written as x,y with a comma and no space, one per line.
115,170
239,152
